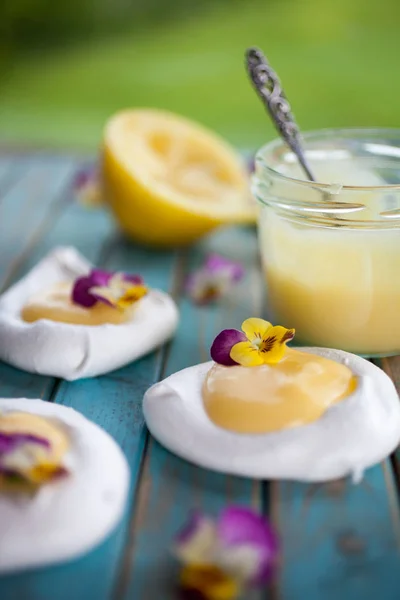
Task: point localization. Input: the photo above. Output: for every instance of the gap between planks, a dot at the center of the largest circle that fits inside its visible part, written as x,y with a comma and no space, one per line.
57,206
143,486
391,366
131,577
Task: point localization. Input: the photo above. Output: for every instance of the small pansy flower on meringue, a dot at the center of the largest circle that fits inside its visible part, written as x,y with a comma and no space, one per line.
27,459
257,344
213,279
119,290
222,558
87,187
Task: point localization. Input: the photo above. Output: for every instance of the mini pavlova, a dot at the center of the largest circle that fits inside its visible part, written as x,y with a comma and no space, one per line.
63,484
267,411
67,319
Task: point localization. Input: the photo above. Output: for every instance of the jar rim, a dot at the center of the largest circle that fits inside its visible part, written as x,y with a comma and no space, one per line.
326,133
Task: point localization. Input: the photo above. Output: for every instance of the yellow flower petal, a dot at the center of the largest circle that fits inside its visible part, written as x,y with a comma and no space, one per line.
41,473
246,355
273,345
282,334
255,328
131,295
210,581
273,355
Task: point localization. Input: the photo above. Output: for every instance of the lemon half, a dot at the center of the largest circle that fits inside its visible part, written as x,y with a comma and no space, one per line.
169,180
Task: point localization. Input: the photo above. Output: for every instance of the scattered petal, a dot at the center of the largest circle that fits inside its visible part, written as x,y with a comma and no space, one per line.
251,164
240,527
208,582
223,557
216,263
214,279
223,344
87,187
195,542
82,178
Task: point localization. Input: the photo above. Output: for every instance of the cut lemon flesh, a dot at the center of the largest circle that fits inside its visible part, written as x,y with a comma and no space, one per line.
169,180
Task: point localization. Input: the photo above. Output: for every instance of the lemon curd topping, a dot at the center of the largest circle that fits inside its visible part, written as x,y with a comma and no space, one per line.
271,397
55,304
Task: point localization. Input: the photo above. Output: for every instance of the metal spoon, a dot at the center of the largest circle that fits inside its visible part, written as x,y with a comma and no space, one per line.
267,85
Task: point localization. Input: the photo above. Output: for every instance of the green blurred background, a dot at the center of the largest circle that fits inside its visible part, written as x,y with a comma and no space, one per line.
66,65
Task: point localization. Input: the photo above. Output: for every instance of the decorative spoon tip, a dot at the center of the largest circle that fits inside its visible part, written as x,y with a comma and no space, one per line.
268,86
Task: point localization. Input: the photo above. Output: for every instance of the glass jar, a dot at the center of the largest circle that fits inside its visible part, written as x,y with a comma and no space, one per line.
331,249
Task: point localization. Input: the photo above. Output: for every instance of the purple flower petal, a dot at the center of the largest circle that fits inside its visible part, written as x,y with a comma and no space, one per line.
100,277
194,523
10,441
81,293
240,526
135,279
195,541
83,178
222,346
220,264
251,164
213,279
81,290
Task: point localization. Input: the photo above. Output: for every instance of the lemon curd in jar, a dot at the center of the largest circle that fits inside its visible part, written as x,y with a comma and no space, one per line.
334,274
337,289
296,391
55,304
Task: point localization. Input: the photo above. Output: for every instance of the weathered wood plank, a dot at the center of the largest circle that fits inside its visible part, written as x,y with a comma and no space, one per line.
21,228
391,366
11,169
339,540
7,174
171,487
26,207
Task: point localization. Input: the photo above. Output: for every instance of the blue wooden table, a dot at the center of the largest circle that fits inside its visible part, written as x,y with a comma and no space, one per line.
338,540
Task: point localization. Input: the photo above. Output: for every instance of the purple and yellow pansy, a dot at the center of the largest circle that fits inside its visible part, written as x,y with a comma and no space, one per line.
119,290
213,279
257,344
87,187
223,557
29,459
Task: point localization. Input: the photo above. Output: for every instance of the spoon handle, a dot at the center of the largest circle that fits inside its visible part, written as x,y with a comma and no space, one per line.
267,85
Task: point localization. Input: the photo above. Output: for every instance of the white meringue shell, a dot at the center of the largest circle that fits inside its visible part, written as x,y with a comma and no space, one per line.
76,351
351,436
66,518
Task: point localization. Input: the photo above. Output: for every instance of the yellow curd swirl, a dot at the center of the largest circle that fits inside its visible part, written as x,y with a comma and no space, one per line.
55,304
296,391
